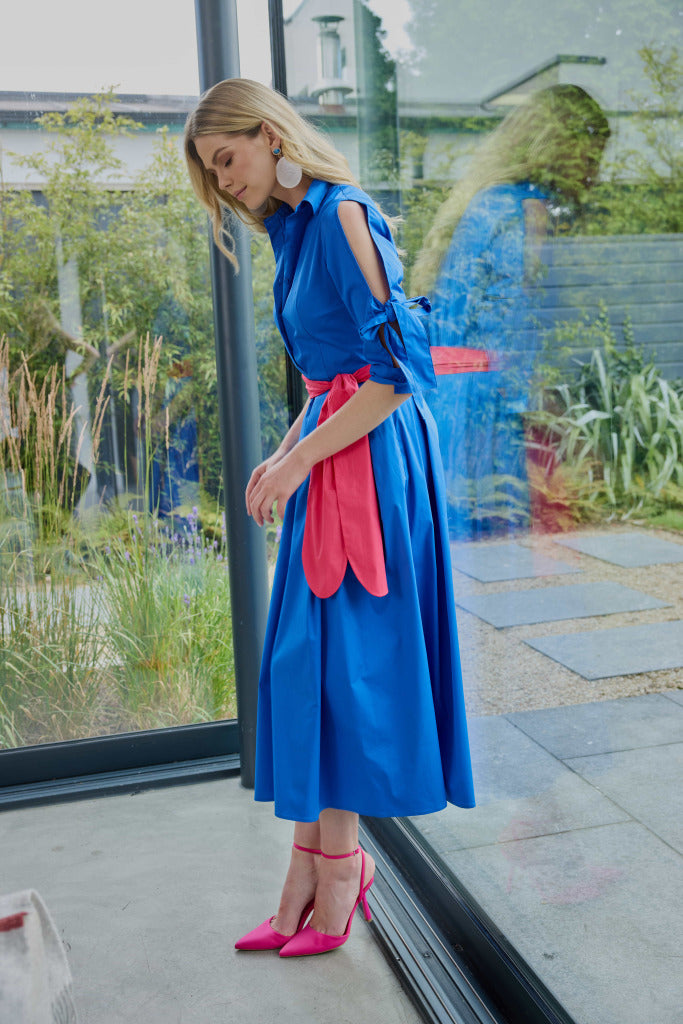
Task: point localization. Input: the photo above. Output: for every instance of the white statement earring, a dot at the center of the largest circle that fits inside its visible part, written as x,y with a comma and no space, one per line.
287,172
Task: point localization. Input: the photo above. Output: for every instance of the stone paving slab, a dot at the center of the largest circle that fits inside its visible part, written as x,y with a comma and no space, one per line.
675,695
596,911
630,550
550,604
621,651
622,724
491,563
521,790
645,782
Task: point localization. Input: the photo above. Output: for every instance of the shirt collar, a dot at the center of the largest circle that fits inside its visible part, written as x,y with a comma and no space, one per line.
317,191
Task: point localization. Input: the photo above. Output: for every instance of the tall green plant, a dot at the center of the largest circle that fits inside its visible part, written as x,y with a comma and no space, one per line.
165,604
39,446
620,423
51,662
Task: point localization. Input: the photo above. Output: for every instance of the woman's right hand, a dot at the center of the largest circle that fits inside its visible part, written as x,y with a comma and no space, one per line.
256,475
288,442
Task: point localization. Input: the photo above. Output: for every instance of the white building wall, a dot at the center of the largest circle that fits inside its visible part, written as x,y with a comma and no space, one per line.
15,143
301,44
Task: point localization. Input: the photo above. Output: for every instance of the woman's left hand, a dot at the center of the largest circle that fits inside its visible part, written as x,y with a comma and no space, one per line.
276,486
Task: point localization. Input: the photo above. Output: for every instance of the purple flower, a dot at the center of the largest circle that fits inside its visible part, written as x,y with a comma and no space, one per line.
278,533
191,560
107,550
186,600
127,555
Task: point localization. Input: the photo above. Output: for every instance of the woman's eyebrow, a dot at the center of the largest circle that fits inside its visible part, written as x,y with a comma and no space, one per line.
214,158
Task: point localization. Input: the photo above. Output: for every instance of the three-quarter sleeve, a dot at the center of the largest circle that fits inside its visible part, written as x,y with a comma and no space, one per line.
394,333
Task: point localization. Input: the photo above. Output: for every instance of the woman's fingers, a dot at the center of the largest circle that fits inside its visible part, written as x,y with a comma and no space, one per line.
262,501
256,495
273,488
253,481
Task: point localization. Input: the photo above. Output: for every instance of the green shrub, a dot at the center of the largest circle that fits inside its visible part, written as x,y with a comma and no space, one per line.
620,424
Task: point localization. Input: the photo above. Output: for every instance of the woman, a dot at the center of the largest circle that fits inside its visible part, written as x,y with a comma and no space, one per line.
483,259
360,697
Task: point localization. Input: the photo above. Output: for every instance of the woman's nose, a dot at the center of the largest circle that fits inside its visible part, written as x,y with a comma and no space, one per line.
224,179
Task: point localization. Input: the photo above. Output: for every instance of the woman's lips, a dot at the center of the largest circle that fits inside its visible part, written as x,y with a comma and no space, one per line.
238,195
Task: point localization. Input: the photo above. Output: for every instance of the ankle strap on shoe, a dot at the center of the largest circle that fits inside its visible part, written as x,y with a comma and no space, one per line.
339,856
305,849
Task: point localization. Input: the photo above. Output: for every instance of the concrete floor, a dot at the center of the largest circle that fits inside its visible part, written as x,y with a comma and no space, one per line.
150,891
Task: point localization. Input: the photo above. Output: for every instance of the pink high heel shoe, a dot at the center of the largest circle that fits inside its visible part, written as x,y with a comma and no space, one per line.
308,941
265,936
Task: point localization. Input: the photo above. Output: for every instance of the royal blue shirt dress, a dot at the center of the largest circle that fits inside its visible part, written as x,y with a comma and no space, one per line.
360,697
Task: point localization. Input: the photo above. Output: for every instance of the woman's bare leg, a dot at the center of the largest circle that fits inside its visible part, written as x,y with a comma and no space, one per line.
302,878
338,880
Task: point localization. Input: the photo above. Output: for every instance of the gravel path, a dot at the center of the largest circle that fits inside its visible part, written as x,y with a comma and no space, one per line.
502,674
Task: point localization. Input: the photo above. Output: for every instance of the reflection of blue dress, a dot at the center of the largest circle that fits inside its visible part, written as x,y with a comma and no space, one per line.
482,300
360,697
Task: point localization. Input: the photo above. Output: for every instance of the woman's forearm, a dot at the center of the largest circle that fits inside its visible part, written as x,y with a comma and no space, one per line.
294,432
364,411
274,482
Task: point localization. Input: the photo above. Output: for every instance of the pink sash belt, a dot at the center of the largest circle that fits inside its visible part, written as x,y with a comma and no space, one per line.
342,515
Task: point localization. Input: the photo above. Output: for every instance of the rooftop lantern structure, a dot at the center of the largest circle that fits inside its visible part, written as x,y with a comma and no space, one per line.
330,88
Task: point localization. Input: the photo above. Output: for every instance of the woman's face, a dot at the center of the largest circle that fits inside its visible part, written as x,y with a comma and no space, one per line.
242,165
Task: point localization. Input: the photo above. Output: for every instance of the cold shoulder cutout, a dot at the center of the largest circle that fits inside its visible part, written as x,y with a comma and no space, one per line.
355,226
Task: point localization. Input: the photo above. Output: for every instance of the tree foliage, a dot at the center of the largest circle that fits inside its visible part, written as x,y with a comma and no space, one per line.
643,186
140,247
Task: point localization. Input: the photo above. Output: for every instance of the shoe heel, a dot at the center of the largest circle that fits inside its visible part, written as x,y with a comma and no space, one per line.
364,901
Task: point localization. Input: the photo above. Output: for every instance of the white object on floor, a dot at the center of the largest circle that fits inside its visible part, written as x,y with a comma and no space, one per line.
35,980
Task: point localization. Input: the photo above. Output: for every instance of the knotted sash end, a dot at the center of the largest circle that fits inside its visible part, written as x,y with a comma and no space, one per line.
342,513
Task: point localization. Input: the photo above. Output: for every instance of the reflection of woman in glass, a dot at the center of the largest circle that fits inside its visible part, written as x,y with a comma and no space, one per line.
360,698
479,260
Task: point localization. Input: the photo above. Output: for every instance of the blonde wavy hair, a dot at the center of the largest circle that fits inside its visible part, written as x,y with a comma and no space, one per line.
550,140
239,106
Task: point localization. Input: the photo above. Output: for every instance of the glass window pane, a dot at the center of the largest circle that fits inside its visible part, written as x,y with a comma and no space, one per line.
533,158
115,612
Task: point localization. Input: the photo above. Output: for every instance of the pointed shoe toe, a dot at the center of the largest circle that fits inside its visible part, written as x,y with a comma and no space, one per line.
308,942
263,937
